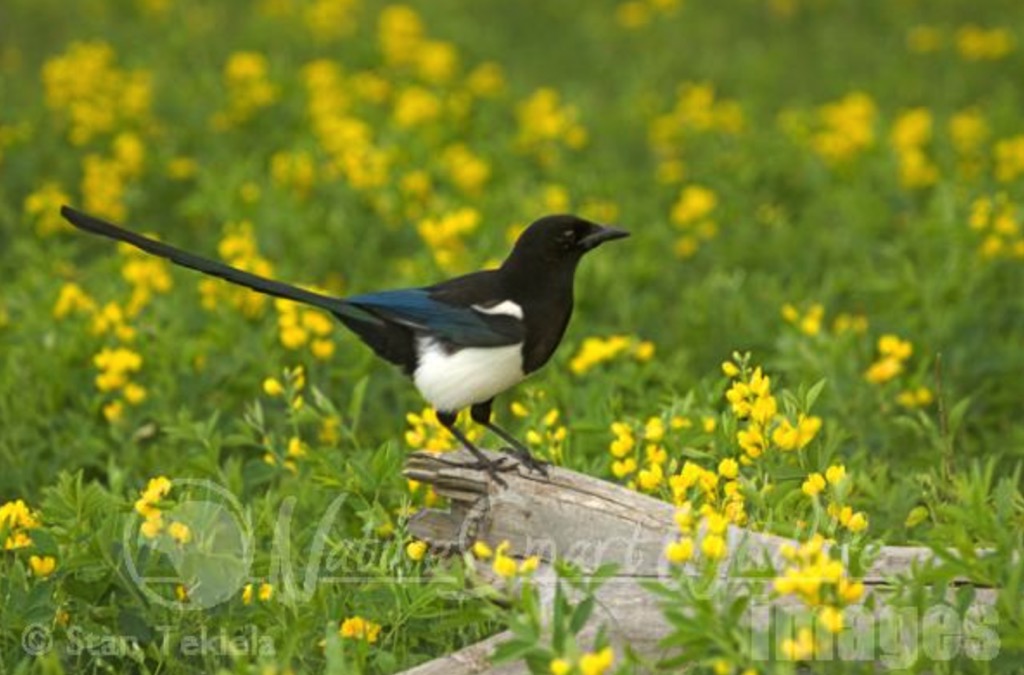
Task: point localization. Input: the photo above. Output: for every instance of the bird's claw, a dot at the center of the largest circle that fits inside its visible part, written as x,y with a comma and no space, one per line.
492,467
523,456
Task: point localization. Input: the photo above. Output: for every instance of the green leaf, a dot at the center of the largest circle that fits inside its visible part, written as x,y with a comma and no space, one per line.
581,614
355,406
515,648
813,393
956,417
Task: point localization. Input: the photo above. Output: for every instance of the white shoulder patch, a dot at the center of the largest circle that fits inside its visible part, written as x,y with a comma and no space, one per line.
506,307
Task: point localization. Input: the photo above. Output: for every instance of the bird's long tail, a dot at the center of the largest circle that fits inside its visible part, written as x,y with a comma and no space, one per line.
278,289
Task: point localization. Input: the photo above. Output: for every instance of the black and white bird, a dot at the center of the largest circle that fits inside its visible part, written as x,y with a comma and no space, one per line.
462,341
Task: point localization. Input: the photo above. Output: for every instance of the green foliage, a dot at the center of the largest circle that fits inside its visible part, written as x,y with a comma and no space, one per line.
833,189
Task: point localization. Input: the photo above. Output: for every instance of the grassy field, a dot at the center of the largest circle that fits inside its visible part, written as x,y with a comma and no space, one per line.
816,329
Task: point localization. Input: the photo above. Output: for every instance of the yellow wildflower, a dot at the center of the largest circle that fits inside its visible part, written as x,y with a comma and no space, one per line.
272,387
358,628
831,618
597,663
179,532
416,550
801,648
728,468
559,666
713,547
814,484
482,551
680,551
835,474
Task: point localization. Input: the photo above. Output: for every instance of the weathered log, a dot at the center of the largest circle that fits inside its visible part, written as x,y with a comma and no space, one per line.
590,522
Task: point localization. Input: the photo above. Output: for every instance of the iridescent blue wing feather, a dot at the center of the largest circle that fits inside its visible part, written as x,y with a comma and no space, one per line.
463,326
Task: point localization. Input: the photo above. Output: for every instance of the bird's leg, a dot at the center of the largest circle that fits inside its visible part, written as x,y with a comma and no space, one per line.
481,414
492,467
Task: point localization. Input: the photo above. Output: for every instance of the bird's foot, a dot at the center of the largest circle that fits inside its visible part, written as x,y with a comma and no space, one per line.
523,456
492,467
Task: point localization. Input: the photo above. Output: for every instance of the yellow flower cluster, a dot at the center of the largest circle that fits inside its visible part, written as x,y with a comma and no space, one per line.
404,44
42,206
692,214
504,565
111,319
893,353
821,584
426,433
546,125
810,322
916,397
551,436
358,628
911,133
697,110
842,129
330,20
835,476
968,132
844,515
16,519
715,492
238,248
420,88
713,544
590,663
713,495
291,389
975,43
295,450
850,323
85,86
972,42
249,89
264,593
468,172
146,275
487,79
294,172
596,350
72,300
147,506
105,178
623,463
116,367
346,139
635,14
847,128
415,106
444,235
299,325
42,566
752,402
1009,158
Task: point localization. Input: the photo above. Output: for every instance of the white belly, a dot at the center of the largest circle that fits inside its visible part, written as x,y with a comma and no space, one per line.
451,382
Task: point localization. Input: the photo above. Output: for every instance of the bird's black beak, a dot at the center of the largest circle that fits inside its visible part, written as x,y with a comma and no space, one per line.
600,235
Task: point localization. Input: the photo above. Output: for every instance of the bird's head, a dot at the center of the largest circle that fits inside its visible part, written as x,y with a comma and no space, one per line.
562,238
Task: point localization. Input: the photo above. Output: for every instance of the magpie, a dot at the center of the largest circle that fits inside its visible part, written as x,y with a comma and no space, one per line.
462,341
